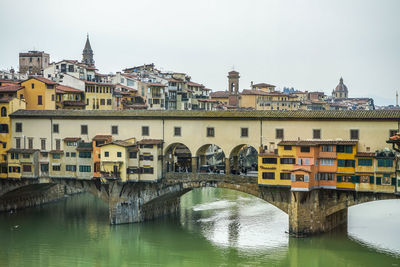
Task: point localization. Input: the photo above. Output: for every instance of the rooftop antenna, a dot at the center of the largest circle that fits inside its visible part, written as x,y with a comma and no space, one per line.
397,99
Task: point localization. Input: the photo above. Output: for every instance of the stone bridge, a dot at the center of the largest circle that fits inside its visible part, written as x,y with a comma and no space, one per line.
317,211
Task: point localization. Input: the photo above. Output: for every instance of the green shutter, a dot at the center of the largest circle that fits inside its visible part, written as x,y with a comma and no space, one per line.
340,162
357,179
353,163
398,183
353,179
394,181
339,178
378,180
371,179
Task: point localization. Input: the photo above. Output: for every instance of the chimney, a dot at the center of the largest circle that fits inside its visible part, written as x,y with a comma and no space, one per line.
397,99
251,85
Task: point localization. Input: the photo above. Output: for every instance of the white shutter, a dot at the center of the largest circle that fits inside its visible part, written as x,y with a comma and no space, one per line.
306,178
316,177
292,177
298,161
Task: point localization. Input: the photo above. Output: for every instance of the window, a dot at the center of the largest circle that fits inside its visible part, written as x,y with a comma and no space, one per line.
244,132
3,128
385,163
364,162
287,160
305,149
133,155
316,134
52,97
145,131
17,142
285,176
346,163
70,168
85,154
306,162
109,102
114,129
43,144
119,154
210,132
4,144
391,132
40,100
268,175
132,170
146,157
354,134
327,162
148,170
73,154
106,154
4,112
84,129
18,127
344,149
26,168
177,131
287,147
102,102
84,168
44,167
327,148
56,168
26,156
269,160
67,154
279,133
55,128
58,144
30,143
33,85
326,176
56,156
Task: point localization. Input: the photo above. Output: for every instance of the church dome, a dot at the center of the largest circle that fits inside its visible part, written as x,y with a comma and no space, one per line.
341,87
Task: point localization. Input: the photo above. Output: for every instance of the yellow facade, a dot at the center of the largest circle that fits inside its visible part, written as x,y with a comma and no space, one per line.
99,96
7,106
365,169
345,173
38,93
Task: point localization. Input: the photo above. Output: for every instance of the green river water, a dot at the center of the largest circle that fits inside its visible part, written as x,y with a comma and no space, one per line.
216,227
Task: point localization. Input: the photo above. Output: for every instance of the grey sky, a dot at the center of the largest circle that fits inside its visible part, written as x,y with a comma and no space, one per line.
303,44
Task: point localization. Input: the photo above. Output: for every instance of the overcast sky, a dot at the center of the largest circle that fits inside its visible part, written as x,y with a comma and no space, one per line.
307,45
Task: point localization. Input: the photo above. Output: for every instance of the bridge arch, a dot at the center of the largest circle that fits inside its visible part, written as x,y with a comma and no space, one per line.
210,158
243,158
178,158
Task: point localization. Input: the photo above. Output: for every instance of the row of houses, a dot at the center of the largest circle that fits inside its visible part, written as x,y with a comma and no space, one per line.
304,165
102,158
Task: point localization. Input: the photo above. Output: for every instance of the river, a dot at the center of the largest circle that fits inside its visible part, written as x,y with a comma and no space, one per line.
216,227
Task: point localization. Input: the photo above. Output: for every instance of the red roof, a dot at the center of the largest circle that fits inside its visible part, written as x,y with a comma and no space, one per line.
43,80
8,82
253,92
10,88
194,84
62,89
219,94
263,85
125,87
72,139
156,84
207,100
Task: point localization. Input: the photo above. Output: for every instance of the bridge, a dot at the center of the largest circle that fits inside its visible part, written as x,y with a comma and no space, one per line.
313,212
310,212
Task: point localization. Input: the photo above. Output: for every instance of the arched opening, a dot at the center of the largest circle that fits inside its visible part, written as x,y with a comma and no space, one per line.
4,112
178,158
243,160
210,159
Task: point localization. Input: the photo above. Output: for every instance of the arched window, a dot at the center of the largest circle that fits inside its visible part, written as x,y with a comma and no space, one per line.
3,112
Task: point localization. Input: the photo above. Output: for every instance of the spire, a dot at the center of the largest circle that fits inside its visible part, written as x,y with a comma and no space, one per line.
87,54
341,80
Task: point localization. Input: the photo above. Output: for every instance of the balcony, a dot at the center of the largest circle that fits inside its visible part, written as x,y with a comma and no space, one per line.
111,175
155,95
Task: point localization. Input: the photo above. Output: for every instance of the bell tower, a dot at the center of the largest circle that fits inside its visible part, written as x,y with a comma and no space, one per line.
87,53
233,82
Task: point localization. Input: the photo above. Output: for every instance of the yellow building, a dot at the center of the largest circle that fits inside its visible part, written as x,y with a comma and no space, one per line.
99,96
220,96
7,106
365,169
119,160
69,98
385,171
38,93
262,100
23,163
346,165
275,169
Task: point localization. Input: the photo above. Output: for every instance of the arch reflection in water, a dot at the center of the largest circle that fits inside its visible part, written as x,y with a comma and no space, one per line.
229,218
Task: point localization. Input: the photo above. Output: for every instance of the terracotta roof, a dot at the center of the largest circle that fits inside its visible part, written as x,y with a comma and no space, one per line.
42,79
97,83
194,84
300,169
156,84
10,88
74,103
253,92
207,100
102,137
120,143
62,89
352,115
219,94
316,142
263,85
6,99
365,154
125,87
8,82
71,139
150,141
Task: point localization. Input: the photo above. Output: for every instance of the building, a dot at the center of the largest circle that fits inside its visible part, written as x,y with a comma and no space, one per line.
69,98
340,92
98,141
38,93
99,96
87,54
33,62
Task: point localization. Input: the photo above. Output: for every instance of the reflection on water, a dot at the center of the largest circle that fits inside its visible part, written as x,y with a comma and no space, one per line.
216,227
